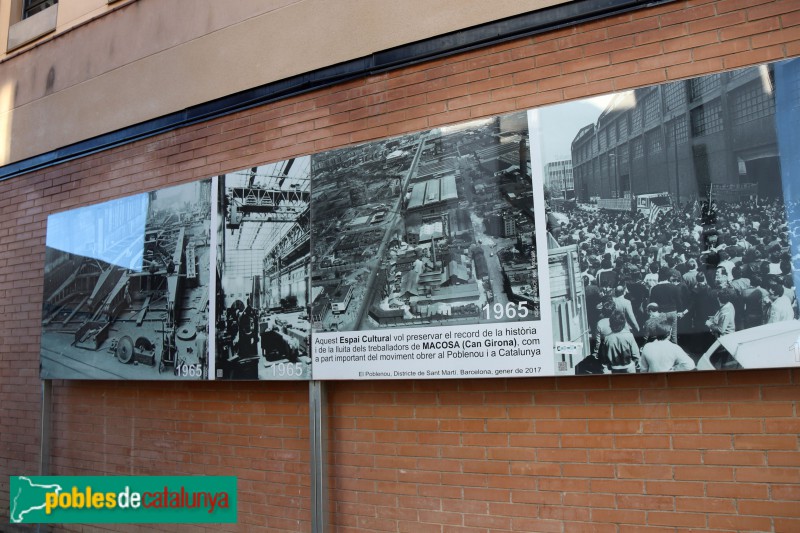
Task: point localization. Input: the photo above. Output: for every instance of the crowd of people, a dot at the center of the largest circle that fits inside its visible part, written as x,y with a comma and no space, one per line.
659,292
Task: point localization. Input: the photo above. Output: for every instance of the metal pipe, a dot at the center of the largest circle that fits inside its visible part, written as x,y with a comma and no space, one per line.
44,439
317,403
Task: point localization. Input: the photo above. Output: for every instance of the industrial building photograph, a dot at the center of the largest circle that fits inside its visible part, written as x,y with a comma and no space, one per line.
677,206
126,288
432,228
262,268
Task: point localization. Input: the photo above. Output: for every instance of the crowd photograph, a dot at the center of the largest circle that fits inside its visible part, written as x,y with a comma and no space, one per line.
672,200
659,293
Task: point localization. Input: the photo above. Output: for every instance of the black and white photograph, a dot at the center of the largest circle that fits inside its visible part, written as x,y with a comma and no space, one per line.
263,255
427,229
672,224
126,288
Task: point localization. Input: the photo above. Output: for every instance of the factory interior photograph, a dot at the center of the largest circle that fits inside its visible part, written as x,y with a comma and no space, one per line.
263,247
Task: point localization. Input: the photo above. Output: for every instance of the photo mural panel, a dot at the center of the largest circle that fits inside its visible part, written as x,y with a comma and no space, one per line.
424,261
669,218
126,288
674,209
263,253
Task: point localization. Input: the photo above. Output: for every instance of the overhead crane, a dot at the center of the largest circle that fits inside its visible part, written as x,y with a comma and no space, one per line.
265,203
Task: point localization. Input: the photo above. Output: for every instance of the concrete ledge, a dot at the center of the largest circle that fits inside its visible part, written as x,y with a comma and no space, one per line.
31,28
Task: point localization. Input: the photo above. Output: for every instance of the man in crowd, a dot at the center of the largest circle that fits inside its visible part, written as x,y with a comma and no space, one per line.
623,305
780,309
619,352
668,297
661,355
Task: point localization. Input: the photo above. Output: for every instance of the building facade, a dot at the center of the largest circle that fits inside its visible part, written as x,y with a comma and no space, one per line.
559,179
135,95
684,138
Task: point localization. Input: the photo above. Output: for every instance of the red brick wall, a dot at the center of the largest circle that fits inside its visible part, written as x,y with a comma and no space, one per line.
705,451
655,453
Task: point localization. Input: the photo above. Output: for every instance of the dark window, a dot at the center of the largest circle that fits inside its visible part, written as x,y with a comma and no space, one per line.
637,119
651,113
674,95
742,71
638,151
31,7
679,135
707,119
653,140
704,85
752,102
701,168
625,183
623,157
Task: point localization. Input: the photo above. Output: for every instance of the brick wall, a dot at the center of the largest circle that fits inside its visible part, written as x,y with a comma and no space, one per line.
655,453
629,453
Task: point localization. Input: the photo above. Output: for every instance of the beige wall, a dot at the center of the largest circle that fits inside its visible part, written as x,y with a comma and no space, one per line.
131,62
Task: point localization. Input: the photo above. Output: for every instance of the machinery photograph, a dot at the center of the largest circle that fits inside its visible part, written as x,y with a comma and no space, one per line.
126,288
